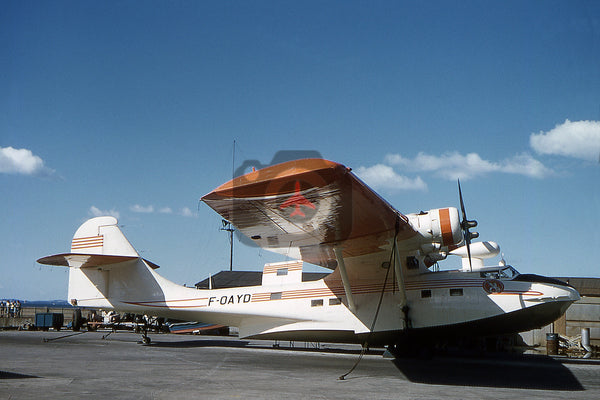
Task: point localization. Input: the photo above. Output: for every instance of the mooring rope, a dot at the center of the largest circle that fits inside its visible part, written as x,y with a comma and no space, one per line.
365,345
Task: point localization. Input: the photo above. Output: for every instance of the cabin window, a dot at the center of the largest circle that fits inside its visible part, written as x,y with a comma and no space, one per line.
276,296
316,303
335,302
425,293
282,271
456,292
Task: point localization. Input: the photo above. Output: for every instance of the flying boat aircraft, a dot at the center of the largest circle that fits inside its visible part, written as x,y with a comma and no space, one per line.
383,289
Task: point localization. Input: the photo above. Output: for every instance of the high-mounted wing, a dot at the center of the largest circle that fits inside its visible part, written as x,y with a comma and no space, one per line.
305,208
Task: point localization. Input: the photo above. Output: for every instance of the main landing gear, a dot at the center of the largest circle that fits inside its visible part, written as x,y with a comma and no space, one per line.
143,325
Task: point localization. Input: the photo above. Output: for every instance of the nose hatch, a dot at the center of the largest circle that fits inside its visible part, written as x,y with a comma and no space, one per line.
573,293
555,293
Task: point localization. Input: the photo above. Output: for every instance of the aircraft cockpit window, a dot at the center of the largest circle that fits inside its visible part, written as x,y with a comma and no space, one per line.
506,273
490,274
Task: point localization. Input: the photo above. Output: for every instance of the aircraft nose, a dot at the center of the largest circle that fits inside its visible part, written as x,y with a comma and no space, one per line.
551,293
567,293
573,294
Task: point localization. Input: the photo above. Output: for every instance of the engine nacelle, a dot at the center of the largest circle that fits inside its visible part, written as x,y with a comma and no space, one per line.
479,252
439,229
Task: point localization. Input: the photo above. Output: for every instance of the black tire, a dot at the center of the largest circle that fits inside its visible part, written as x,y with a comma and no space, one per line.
77,320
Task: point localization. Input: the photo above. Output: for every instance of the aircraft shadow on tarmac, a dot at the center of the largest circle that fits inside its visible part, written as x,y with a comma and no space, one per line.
538,372
517,372
201,343
13,375
301,346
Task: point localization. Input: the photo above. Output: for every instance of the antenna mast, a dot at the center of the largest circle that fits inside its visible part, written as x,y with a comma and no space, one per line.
227,227
226,224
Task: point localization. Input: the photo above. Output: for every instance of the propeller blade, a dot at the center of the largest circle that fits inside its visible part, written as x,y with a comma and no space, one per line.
465,225
462,204
469,254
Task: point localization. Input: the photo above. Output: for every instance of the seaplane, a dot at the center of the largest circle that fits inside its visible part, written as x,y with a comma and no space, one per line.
384,288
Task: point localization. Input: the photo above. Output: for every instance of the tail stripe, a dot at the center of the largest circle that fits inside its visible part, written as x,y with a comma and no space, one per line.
87,242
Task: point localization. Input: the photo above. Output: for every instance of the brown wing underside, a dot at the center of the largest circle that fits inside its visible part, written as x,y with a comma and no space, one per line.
305,208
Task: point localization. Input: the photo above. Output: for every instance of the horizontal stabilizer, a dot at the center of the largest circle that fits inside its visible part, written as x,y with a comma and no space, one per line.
98,241
88,260
82,260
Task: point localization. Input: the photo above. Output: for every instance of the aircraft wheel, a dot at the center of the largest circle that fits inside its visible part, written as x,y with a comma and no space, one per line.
77,320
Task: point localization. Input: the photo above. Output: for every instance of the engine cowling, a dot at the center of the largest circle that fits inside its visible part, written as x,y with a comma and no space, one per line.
479,252
439,229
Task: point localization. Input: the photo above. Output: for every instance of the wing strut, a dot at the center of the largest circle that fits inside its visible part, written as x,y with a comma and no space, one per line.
344,275
399,275
400,278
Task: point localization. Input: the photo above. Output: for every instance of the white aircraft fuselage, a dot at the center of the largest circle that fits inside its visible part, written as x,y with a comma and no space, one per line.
380,290
492,300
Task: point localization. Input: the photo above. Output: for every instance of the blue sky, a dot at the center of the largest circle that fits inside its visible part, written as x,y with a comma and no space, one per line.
132,108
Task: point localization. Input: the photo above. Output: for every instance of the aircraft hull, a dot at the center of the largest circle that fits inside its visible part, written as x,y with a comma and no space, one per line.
513,322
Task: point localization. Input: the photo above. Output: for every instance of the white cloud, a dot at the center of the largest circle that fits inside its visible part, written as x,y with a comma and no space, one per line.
22,161
381,176
454,165
525,164
96,212
186,212
142,209
578,139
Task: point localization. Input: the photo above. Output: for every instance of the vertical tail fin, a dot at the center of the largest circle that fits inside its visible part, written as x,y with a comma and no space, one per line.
101,258
101,235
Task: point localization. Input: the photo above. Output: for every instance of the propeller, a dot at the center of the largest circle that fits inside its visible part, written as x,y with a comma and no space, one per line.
466,224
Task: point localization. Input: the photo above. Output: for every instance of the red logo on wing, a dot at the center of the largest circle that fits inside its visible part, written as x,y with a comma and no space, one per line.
297,200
